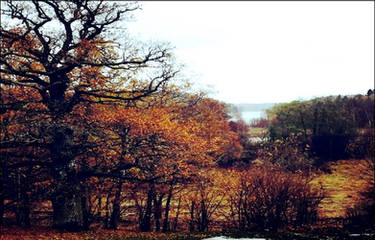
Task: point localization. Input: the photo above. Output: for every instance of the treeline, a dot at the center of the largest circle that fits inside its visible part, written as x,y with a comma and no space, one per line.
335,127
326,128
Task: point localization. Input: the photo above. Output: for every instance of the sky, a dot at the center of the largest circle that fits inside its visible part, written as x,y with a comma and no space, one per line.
261,52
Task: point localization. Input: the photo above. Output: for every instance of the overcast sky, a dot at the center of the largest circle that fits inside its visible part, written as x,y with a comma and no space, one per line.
256,52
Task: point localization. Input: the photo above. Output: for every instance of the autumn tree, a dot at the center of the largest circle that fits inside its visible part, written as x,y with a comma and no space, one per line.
249,149
22,165
205,198
149,146
167,145
212,124
65,55
187,136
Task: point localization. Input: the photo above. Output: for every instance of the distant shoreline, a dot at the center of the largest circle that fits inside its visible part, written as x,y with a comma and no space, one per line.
247,116
248,107
251,111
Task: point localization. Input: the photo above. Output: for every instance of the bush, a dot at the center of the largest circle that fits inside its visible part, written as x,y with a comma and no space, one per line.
260,123
268,198
362,215
363,146
291,153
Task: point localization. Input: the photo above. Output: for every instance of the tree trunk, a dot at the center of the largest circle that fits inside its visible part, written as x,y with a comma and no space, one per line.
67,209
167,208
100,206
23,208
175,222
204,217
157,210
67,199
107,211
1,206
191,224
23,213
145,224
85,207
2,180
115,217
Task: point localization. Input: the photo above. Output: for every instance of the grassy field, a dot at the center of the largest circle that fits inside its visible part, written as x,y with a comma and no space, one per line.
257,132
342,186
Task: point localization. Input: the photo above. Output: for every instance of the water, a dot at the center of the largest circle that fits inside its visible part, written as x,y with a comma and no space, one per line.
247,116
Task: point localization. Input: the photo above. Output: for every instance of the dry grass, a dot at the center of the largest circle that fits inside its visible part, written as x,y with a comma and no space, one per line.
348,178
257,132
17,233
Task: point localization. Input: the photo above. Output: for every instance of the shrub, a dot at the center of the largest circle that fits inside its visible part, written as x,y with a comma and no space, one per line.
290,153
268,198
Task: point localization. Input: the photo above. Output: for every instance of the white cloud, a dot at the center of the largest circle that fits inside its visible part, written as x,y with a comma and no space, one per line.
268,51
